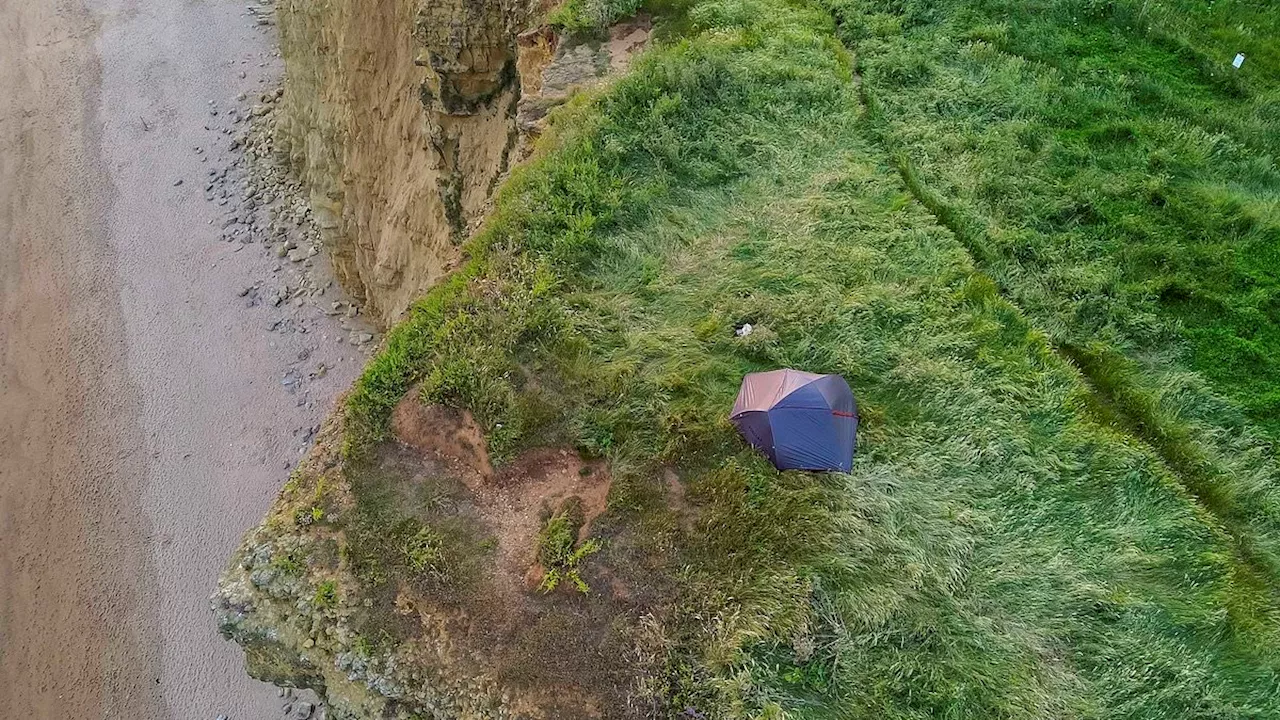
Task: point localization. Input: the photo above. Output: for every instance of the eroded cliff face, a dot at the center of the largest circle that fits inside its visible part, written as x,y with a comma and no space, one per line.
399,117
475,639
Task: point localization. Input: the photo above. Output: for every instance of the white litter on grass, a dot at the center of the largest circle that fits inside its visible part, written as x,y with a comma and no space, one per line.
1238,61
744,331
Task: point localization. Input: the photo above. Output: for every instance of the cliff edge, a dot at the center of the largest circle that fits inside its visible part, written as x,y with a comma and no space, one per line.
1010,227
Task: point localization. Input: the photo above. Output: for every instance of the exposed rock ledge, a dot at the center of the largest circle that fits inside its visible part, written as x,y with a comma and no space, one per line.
401,118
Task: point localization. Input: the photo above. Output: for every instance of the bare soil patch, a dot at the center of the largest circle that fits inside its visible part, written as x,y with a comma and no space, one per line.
567,654
443,433
513,501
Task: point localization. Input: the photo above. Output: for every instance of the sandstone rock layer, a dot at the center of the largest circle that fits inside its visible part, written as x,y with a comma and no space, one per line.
400,118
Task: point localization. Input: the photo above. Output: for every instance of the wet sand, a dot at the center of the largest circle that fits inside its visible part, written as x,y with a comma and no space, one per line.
75,574
143,427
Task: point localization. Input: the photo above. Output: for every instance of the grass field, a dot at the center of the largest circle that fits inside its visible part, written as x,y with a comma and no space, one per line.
1115,174
1040,240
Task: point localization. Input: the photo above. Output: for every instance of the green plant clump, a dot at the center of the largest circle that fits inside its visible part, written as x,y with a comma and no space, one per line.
587,16
561,555
326,595
424,551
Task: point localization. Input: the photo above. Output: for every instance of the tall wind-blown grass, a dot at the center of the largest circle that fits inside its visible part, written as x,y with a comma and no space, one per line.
1039,260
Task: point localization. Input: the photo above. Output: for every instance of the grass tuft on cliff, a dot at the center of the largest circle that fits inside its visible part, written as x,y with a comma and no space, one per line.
591,16
1039,240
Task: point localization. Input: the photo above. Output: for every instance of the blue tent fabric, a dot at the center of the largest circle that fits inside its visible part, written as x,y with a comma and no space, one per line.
799,420
754,426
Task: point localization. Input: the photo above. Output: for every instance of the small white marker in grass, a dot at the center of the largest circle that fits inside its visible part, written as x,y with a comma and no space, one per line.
1238,61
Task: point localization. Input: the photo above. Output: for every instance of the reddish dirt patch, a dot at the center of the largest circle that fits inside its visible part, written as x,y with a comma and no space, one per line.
513,500
626,39
563,654
522,493
443,433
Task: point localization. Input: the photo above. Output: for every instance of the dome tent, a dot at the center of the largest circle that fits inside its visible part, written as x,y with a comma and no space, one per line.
800,420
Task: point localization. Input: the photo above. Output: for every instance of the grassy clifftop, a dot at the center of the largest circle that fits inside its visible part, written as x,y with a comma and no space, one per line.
1105,164
1039,241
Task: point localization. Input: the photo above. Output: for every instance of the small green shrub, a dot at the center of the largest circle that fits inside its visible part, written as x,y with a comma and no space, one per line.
304,516
561,555
588,16
286,563
326,595
424,551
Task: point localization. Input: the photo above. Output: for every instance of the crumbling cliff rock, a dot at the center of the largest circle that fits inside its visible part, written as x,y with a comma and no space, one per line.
399,117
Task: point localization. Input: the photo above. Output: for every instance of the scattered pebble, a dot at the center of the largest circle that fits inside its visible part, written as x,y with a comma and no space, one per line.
266,206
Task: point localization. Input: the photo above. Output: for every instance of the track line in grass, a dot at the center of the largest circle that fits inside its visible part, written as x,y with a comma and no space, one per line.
1116,401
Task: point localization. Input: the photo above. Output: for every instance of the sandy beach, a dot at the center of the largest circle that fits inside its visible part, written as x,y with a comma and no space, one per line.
143,422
